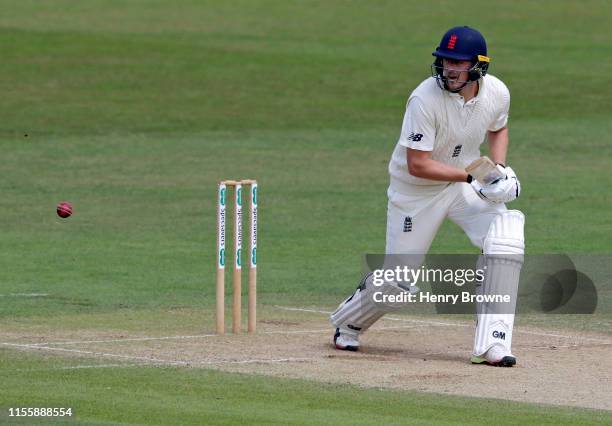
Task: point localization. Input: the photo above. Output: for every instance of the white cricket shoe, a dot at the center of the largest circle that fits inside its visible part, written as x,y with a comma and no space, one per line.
496,356
345,341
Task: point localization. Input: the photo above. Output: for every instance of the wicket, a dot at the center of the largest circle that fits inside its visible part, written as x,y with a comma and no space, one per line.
237,276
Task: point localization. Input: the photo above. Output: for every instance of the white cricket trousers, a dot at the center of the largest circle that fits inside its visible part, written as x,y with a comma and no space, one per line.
413,220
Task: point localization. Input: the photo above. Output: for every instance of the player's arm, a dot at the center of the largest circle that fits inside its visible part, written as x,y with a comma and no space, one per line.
497,134
418,136
498,145
421,165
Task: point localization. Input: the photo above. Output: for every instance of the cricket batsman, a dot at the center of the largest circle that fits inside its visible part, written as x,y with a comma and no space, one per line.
447,118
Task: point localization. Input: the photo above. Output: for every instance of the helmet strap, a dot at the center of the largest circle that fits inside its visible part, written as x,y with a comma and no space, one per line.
474,74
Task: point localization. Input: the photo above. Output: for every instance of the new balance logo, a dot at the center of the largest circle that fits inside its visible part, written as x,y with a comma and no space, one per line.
407,224
457,151
499,335
415,137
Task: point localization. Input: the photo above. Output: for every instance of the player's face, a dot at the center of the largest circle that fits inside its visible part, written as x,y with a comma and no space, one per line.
456,72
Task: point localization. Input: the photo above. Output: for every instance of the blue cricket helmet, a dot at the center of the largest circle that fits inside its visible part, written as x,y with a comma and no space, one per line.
462,44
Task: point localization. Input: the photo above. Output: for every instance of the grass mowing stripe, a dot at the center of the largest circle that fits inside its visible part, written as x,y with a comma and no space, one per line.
192,396
153,222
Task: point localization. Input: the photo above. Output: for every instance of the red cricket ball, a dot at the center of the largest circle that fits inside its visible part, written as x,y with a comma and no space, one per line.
64,209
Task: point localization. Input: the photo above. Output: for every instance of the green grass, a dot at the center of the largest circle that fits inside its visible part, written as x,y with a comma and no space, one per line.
150,395
133,110
143,232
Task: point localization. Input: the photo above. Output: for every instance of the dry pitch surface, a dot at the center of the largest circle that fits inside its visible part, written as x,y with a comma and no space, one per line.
566,368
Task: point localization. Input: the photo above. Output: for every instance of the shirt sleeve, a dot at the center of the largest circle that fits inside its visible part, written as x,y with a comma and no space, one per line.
501,119
418,128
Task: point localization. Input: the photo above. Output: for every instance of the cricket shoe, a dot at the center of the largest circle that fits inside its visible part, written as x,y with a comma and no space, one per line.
346,342
496,356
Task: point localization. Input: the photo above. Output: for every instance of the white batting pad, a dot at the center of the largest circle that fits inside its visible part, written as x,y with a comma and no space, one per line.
504,247
357,313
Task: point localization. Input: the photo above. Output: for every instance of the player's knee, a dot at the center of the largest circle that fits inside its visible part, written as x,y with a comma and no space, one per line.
506,234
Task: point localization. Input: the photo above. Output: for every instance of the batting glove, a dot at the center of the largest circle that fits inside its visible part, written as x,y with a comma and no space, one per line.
503,190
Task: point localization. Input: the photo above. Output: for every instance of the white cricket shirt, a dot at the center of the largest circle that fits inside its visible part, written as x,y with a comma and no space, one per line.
439,121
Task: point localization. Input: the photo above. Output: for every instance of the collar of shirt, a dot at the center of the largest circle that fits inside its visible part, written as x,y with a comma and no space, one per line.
459,99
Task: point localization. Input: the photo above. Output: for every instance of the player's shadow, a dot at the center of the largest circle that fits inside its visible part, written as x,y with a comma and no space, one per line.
403,354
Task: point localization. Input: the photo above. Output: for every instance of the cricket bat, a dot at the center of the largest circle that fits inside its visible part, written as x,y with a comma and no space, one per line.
484,170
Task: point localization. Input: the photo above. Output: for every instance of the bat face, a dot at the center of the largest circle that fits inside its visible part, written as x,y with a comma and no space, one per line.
484,170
